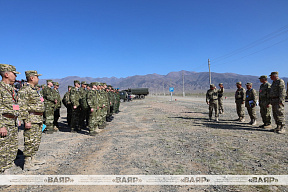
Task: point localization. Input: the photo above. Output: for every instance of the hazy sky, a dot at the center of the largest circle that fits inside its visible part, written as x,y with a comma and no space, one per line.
105,38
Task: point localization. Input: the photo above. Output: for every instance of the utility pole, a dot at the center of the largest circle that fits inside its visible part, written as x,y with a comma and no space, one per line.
209,72
183,83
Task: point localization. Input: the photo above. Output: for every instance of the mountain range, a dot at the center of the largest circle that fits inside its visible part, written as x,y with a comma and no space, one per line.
194,82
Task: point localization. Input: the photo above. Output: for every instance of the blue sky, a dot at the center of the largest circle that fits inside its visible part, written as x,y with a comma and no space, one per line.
105,38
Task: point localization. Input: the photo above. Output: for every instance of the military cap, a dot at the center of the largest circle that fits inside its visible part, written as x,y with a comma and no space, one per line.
274,73
69,86
263,77
93,83
220,83
248,83
8,68
56,83
84,83
42,85
49,80
212,85
76,81
31,73
109,85
239,83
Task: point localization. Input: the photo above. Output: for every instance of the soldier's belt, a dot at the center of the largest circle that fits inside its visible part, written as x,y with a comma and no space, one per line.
10,116
35,113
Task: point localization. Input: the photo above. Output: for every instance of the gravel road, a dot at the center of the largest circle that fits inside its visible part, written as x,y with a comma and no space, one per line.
156,136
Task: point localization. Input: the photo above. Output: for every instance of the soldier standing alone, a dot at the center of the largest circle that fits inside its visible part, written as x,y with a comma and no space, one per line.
212,101
32,104
277,99
264,102
240,100
250,103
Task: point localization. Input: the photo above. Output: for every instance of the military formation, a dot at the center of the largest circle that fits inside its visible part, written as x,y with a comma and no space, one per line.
271,97
88,106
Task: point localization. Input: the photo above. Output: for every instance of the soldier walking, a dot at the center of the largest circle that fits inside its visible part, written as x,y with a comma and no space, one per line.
240,100
250,103
9,110
220,98
264,102
277,99
212,101
32,108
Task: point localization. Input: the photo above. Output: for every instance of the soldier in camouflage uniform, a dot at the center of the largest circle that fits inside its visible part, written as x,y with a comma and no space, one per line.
240,100
9,110
250,103
220,98
83,103
75,103
49,102
93,102
277,99
264,100
32,108
57,106
67,103
117,101
212,101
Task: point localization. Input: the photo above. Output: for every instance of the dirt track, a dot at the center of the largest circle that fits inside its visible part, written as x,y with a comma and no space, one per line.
158,137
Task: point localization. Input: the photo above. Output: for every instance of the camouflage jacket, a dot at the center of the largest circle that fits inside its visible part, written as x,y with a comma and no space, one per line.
7,100
31,101
251,96
240,95
211,95
57,96
264,94
83,98
75,97
66,99
277,91
220,93
49,99
93,99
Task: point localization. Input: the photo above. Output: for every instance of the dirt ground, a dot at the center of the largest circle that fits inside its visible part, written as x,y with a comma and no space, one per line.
156,136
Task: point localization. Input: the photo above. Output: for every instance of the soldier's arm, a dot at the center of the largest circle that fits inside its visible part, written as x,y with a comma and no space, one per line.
3,130
282,92
207,101
23,97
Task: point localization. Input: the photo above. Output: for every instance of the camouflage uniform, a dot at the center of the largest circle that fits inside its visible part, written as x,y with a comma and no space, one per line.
32,108
212,99
250,103
57,105
67,103
239,100
8,116
277,100
117,102
75,101
264,100
220,100
84,105
49,103
93,102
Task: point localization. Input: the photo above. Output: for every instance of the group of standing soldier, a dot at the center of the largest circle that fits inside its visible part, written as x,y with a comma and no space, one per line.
270,97
90,105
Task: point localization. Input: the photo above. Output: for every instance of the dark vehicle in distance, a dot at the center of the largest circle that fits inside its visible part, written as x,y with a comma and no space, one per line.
139,93
123,96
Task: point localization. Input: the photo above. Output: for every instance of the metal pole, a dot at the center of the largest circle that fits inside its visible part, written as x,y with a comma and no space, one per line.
171,96
209,72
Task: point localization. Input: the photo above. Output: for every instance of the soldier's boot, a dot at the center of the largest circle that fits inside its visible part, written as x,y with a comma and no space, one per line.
254,122
93,133
210,118
281,129
38,162
276,129
268,126
242,119
251,121
55,129
217,119
262,126
29,165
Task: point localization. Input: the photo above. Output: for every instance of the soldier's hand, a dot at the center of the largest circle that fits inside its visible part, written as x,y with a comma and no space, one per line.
92,109
19,123
3,132
74,107
55,101
27,125
97,107
207,103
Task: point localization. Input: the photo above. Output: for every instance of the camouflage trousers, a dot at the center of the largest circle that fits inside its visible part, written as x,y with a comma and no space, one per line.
103,113
278,113
213,105
49,117
8,148
93,120
56,117
252,112
220,105
75,118
84,115
240,109
32,139
265,113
